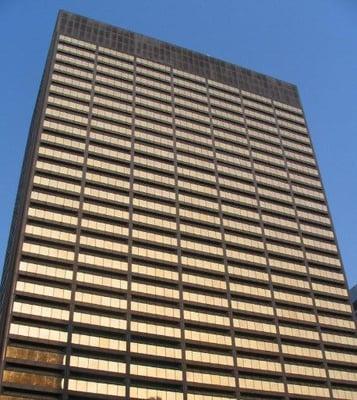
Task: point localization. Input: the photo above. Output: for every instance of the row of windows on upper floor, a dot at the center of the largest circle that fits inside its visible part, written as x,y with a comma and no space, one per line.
165,224
104,227
191,186
203,140
106,320
159,96
155,178
250,291
115,182
241,341
97,124
275,264
164,166
158,151
125,60
116,56
108,282
199,176
190,296
240,198
221,156
110,305
146,80
102,113
152,150
149,175
47,182
107,260
54,200
276,161
63,129
211,218
215,267
59,102
112,247
239,141
224,194
204,217
247,273
293,141
251,253
255,276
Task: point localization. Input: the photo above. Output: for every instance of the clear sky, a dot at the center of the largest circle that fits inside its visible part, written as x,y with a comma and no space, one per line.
311,43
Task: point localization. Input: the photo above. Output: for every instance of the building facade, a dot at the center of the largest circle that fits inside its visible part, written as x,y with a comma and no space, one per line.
353,295
171,237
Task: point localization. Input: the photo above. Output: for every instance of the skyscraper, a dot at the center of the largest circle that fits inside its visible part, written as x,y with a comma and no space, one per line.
171,237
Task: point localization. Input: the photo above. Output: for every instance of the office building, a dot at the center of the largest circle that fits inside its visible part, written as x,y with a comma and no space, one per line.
171,237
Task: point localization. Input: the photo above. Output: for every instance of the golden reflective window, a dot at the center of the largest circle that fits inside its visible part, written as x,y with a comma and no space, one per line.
31,379
31,354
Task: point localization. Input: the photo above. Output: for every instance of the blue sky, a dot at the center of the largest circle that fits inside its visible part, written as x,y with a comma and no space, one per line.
311,43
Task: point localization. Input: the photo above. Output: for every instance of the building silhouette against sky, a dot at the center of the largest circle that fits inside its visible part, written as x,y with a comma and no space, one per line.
171,237
353,295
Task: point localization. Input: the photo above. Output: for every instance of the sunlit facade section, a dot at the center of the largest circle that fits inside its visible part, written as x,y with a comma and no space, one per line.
171,238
